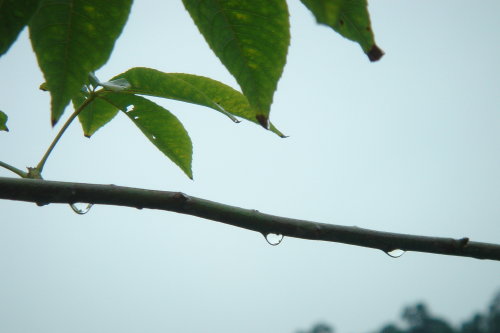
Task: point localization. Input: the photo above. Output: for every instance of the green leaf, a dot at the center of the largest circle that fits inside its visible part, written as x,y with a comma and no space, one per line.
161,127
192,89
350,18
14,16
251,39
3,122
72,38
95,115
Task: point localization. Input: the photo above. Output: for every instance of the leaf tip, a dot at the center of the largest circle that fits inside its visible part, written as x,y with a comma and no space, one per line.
263,120
375,53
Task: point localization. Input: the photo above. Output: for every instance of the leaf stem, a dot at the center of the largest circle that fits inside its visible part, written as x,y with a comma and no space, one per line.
15,170
41,164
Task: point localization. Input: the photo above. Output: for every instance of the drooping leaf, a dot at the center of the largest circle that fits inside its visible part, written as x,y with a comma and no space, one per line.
72,38
3,122
192,89
14,16
95,115
251,39
161,127
350,18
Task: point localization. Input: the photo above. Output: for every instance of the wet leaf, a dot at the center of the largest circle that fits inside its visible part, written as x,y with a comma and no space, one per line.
72,38
161,127
251,39
192,89
14,16
350,18
3,122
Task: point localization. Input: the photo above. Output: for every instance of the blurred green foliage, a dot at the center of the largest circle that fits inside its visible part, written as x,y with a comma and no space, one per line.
418,319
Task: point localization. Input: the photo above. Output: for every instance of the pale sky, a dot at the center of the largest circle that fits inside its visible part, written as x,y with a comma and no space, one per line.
409,144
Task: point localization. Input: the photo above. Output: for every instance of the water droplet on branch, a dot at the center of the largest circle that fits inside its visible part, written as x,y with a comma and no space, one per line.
396,253
274,239
81,208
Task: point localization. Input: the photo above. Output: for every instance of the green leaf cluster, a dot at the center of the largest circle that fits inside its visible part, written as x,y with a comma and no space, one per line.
74,38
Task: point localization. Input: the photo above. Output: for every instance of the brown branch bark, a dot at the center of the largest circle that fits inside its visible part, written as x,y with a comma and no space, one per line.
44,192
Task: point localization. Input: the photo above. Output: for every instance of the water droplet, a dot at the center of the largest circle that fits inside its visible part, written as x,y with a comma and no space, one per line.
274,239
396,253
81,208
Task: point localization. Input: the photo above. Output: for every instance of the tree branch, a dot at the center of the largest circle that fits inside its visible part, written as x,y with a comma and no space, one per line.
44,192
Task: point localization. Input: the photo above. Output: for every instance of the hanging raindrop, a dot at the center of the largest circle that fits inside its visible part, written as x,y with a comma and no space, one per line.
274,239
396,253
81,208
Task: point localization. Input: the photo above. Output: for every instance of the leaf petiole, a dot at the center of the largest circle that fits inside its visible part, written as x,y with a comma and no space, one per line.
15,170
89,100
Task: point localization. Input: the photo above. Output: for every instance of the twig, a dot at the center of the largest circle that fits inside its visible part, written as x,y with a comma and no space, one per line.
44,192
41,164
15,170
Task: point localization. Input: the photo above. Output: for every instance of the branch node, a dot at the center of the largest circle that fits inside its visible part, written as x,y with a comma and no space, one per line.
462,242
181,197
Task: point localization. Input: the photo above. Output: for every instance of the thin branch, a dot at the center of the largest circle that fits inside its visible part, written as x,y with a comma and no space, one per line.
41,164
15,170
45,192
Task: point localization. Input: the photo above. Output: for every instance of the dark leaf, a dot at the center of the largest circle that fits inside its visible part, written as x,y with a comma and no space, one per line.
95,115
251,39
161,127
72,38
350,18
14,16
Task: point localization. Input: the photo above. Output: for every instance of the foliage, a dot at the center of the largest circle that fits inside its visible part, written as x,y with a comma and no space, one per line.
3,122
418,319
74,38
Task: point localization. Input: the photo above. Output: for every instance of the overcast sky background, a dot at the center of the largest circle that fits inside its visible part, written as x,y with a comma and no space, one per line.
409,144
